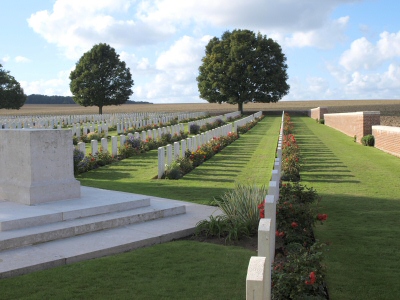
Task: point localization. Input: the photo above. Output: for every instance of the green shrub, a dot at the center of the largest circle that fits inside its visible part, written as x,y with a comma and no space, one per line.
300,275
321,121
368,140
194,128
103,158
173,171
240,213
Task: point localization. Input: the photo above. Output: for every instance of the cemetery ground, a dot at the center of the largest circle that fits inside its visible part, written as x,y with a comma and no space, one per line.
359,189
178,270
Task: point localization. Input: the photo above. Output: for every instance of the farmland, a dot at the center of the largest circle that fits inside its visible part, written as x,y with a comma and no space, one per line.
390,109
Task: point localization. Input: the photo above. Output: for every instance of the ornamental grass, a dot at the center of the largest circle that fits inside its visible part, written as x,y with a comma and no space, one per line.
240,216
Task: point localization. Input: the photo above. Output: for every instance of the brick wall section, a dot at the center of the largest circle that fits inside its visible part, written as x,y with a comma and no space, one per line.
387,138
317,113
353,124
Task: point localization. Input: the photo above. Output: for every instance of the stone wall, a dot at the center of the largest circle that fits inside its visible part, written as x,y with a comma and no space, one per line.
356,124
318,113
387,139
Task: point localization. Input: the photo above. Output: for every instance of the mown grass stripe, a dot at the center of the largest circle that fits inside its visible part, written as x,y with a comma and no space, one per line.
360,192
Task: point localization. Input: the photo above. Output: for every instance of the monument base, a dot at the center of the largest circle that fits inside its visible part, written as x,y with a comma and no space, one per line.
36,166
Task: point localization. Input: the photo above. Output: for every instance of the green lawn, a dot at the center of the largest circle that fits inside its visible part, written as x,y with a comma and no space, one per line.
360,192
248,160
176,270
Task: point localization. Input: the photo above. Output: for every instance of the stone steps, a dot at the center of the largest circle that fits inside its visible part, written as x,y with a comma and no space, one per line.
73,227
99,223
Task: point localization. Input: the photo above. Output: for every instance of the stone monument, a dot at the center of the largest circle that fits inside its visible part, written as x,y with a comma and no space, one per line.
36,166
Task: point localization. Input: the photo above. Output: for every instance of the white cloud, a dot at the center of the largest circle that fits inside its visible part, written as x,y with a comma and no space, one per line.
5,59
365,55
21,59
76,25
381,85
58,86
324,37
177,69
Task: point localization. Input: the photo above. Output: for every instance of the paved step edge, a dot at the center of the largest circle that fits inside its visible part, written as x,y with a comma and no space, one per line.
75,230
61,261
61,216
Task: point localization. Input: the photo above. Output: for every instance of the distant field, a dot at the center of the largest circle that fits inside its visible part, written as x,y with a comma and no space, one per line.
390,109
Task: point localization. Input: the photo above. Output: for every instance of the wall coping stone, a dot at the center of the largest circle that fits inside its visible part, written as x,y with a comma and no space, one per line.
386,128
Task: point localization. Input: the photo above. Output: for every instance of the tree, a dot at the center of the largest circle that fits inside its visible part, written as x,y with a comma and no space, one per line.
100,78
11,94
242,67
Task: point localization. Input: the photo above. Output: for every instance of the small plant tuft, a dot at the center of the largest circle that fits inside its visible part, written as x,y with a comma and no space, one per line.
368,140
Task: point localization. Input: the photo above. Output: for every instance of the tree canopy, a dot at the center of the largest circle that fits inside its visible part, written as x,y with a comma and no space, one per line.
243,67
11,94
100,78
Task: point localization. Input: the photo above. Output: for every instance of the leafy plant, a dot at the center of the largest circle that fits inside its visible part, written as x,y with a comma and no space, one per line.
78,156
290,159
368,140
300,275
240,213
194,128
103,157
173,171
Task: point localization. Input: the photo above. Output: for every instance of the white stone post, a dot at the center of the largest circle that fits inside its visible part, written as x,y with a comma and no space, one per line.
176,151
183,146
104,144
114,146
274,189
82,147
270,213
122,140
169,154
94,146
257,271
161,162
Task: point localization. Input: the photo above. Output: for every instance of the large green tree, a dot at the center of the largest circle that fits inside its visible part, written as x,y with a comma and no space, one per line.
11,94
100,78
243,67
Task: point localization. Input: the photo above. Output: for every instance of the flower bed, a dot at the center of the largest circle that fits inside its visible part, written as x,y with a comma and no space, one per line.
131,147
178,168
297,270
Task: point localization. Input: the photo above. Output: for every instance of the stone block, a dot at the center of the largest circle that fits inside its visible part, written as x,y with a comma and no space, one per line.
36,166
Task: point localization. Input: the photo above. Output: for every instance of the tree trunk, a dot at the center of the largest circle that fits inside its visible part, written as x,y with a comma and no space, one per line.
100,110
240,107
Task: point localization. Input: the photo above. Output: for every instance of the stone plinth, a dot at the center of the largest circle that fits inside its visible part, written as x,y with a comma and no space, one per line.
36,166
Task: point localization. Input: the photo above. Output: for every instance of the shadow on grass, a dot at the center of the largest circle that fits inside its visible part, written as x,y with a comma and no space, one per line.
323,160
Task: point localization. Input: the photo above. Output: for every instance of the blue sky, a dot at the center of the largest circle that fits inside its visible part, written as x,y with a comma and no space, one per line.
335,49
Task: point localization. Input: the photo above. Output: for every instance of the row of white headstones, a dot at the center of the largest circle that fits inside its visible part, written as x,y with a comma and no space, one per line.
149,134
143,136
258,279
90,123
169,153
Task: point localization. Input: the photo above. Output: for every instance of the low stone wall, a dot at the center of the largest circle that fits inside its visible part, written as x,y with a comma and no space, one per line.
356,124
318,113
387,139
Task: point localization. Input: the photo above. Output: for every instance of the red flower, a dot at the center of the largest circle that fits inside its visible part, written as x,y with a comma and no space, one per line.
322,217
280,234
312,280
262,214
294,224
